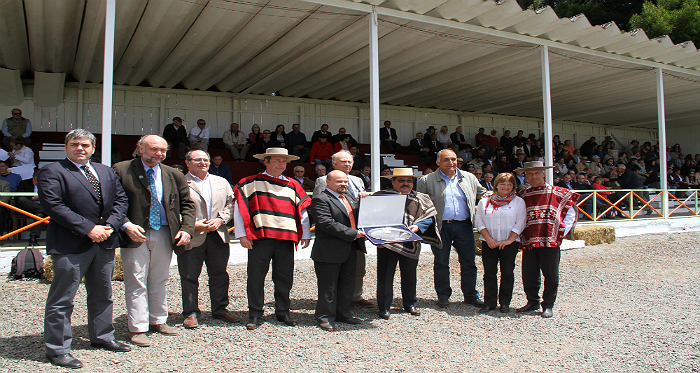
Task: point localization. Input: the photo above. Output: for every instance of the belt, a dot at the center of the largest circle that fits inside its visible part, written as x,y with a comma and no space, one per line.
453,221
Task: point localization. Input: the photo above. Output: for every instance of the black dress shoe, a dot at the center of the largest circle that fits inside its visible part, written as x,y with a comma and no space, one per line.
528,307
350,320
443,303
253,322
384,314
326,326
112,346
547,313
504,309
287,320
413,311
486,309
474,302
65,360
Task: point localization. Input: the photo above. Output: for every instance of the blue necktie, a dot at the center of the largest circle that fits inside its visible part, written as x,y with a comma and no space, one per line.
352,188
154,217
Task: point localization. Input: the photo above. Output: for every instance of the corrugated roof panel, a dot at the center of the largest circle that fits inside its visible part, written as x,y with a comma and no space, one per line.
539,23
54,28
14,45
416,6
462,10
500,15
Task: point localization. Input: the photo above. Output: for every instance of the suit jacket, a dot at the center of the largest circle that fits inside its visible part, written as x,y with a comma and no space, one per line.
71,202
434,148
307,184
434,186
415,148
221,207
485,185
179,208
335,239
384,134
321,184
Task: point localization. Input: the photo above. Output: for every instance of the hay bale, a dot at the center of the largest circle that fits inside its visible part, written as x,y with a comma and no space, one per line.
118,274
595,234
477,243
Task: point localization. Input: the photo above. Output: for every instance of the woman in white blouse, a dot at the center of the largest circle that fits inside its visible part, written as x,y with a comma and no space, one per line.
500,218
20,154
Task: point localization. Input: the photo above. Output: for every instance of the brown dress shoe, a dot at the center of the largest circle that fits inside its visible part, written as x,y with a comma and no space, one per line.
228,316
140,339
164,329
363,302
190,322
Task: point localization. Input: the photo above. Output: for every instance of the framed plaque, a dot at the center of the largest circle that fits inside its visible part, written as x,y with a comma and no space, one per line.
380,217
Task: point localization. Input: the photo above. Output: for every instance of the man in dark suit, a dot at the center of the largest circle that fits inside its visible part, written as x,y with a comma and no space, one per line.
160,219
322,131
337,239
176,136
86,204
388,137
420,147
488,181
434,146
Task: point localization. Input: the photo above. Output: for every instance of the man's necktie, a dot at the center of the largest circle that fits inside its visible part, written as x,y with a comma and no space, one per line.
94,182
352,188
353,225
154,216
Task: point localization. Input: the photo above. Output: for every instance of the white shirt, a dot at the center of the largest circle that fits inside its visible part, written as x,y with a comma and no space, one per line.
25,156
80,167
196,133
443,137
205,187
239,226
502,221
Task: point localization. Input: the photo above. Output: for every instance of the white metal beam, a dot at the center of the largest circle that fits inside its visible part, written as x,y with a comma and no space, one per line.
108,82
661,106
374,98
547,106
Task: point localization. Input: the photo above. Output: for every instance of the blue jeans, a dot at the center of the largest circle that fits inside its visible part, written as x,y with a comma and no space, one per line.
461,236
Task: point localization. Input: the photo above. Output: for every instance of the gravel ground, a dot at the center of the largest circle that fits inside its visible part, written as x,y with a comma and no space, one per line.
629,306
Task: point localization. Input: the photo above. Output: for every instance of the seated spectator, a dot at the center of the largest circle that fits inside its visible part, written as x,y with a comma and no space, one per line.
420,147
487,182
199,136
429,131
608,166
297,144
528,149
320,171
478,174
322,131
30,205
21,155
176,136
343,144
520,179
502,165
254,135
587,146
281,136
565,182
460,163
596,150
434,146
358,159
685,168
7,175
321,151
305,182
218,168
596,167
519,137
366,174
569,147
458,141
469,167
385,183
16,126
481,139
263,144
507,142
388,138
560,168
493,142
692,180
519,162
339,136
518,147
235,142
444,138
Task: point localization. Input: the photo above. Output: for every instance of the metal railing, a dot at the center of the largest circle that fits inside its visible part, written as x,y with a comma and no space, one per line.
638,203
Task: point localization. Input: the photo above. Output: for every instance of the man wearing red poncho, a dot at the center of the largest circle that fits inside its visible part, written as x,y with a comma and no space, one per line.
551,215
270,219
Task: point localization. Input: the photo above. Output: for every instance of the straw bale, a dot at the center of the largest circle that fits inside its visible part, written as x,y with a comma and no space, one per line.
118,274
595,234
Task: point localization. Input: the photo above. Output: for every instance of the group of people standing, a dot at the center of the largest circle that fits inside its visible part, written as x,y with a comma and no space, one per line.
157,210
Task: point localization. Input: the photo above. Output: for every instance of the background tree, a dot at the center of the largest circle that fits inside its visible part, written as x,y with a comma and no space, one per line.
680,19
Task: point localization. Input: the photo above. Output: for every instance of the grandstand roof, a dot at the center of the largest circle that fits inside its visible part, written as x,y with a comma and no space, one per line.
480,56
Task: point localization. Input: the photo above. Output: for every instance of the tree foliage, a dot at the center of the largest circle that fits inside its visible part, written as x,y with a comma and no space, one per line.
680,19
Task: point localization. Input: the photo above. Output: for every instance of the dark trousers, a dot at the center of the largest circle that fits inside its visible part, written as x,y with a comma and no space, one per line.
26,204
96,265
545,260
491,259
281,253
181,150
391,146
461,235
386,267
336,284
214,252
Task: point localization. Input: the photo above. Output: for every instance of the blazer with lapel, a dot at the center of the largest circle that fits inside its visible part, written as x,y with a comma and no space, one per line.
321,184
434,186
71,202
335,239
221,207
179,208
384,134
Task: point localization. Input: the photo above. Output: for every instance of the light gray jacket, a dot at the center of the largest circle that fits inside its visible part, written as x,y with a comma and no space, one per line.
434,186
321,184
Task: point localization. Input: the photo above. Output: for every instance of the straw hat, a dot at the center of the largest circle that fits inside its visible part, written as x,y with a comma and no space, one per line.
276,152
401,172
534,165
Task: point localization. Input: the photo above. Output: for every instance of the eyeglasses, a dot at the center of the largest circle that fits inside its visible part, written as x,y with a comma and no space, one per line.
299,171
197,160
266,133
201,124
17,113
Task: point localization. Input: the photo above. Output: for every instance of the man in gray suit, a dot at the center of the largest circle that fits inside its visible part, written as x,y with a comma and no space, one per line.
160,219
85,202
342,161
337,239
213,200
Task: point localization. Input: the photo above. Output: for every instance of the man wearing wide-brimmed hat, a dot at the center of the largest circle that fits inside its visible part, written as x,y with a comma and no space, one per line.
270,219
551,215
419,217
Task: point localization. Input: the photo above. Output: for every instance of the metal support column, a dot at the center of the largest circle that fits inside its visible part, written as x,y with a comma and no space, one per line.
108,83
374,97
661,107
547,106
